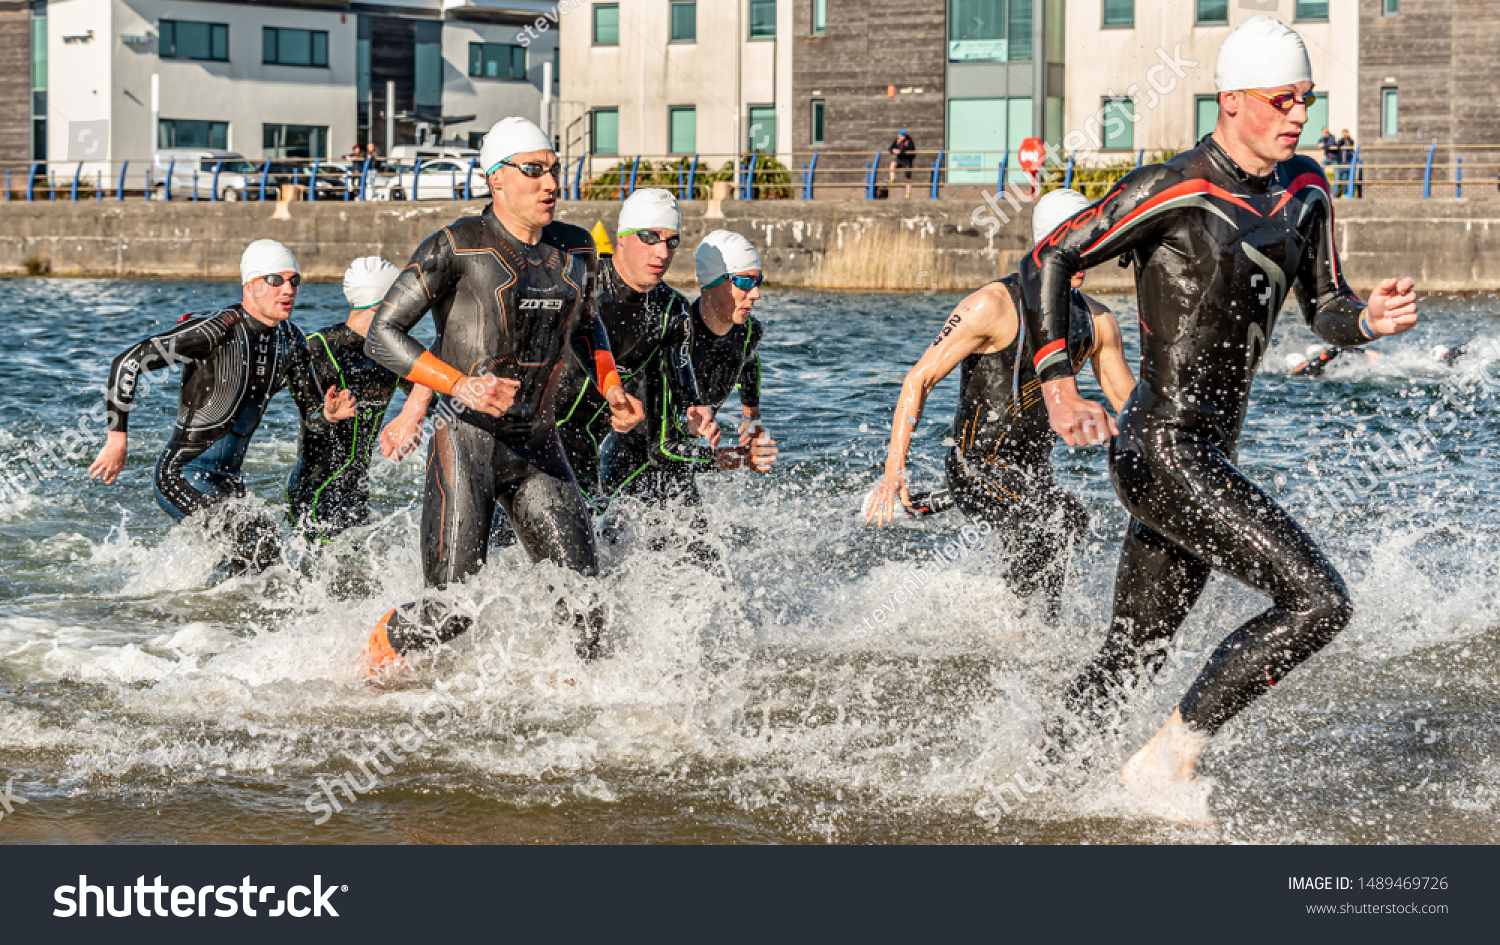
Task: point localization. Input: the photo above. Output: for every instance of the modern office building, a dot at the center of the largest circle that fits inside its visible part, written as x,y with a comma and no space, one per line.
287,79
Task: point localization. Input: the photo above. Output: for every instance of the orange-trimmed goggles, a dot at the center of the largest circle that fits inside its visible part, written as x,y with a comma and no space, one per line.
1284,101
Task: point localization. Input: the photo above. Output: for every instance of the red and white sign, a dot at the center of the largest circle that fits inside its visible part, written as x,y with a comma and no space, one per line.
1032,154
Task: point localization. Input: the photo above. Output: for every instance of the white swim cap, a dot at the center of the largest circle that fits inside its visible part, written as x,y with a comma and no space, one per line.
1261,53
508,138
366,280
649,209
1439,352
722,253
1294,361
1054,207
263,257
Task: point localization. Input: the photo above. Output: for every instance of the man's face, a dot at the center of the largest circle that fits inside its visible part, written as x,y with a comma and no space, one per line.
737,301
639,258
533,201
271,303
1272,132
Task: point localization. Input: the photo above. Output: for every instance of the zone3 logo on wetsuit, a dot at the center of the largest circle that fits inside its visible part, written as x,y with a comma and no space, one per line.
1215,250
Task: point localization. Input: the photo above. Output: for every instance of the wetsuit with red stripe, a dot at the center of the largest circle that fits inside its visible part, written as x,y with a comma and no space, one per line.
507,309
1000,466
1216,251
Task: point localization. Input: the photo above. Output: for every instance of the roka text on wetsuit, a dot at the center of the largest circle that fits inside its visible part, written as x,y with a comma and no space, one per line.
693,367
1000,466
329,486
232,365
636,323
1216,251
511,310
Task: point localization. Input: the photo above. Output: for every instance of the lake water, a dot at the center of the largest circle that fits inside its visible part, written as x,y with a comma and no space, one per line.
138,705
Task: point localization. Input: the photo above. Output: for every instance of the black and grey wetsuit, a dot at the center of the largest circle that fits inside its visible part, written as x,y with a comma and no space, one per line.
1216,251
1315,366
637,323
506,309
1000,466
232,364
693,367
329,486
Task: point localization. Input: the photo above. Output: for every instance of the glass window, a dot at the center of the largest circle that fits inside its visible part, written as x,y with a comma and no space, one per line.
1391,8
1317,120
1312,9
39,52
762,128
1388,109
1208,115
981,132
817,120
989,30
1119,14
497,61
819,17
762,19
294,141
684,22
1118,116
607,26
186,39
684,130
283,47
427,95
606,130
182,133
1213,11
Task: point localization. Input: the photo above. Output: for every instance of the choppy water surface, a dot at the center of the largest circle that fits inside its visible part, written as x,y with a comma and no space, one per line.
136,705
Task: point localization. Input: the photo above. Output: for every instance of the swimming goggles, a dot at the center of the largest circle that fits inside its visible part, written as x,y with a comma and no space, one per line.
651,238
274,279
743,283
534,171
1285,100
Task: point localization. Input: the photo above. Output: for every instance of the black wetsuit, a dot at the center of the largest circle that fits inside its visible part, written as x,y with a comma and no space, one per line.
693,367
1216,251
329,486
636,323
1316,366
232,365
511,310
1000,466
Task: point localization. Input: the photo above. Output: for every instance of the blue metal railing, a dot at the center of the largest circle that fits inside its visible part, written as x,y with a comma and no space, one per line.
750,176
1353,173
312,180
873,167
1004,169
1068,174
264,173
73,194
937,174
416,169
166,187
809,174
1427,174
119,189
218,166
469,178
1458,178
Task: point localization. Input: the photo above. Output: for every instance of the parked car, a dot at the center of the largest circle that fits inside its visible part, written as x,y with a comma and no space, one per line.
331,177
437,179
192,171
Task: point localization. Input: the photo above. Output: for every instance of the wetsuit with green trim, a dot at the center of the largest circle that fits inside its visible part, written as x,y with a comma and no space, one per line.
1216,252
329,486
507,309
1000,466
637,323
232,364
694,367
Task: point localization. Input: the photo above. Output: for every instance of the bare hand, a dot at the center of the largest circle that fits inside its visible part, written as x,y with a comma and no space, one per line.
750,429
400,437
338,404
762,453
488,395
1392,308
701,423
880,507
624,410
111,458
1078,421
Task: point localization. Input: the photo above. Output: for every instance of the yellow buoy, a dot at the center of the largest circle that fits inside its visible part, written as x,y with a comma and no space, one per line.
601,238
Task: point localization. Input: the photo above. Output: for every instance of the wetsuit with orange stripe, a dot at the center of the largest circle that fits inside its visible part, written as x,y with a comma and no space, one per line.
1000,466
506,309
1216,251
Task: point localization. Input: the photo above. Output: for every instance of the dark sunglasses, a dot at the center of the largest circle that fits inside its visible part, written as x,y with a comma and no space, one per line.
535,171
651,238
275,279
1285,100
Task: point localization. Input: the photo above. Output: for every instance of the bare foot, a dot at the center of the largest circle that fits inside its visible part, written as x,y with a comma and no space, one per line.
1162,773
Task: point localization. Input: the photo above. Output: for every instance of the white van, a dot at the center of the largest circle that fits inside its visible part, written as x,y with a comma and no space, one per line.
192,168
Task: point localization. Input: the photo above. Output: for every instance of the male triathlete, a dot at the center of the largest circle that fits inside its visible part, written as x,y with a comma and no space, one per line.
1218,235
